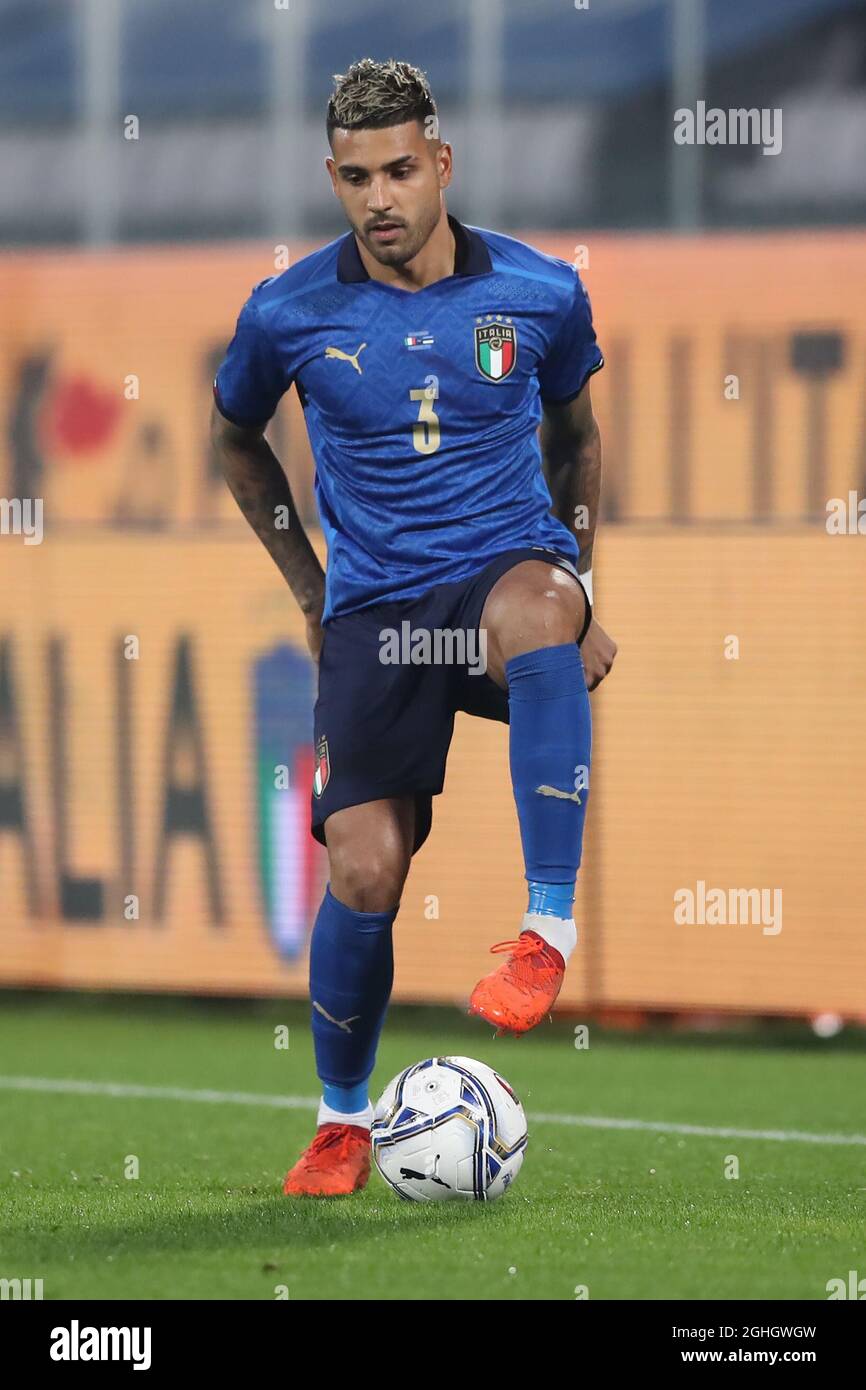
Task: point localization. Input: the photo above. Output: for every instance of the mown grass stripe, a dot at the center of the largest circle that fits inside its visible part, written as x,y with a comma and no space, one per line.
133,1091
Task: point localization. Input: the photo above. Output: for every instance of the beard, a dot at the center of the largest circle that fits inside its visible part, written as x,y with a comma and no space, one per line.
410,241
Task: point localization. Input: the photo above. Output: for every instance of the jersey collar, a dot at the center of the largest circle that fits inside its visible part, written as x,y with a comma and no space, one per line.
471,255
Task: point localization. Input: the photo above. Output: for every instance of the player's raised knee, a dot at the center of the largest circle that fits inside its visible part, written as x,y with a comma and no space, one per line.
531,617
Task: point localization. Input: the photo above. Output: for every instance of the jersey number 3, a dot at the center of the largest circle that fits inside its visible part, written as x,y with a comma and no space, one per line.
425,432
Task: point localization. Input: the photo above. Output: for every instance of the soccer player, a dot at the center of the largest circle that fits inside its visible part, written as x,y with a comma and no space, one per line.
425,354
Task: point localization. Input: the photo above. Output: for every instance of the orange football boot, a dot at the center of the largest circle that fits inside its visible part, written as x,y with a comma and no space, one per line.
516,997
334,1165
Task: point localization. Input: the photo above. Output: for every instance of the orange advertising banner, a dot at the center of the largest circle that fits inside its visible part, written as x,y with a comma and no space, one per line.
733,390
155,767
156,696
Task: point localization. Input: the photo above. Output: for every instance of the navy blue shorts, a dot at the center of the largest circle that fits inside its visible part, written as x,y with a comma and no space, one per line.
383,728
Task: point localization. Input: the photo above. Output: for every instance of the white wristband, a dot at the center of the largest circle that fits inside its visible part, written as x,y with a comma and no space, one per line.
586,581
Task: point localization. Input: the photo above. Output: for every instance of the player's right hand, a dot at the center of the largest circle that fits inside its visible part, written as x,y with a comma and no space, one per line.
314,637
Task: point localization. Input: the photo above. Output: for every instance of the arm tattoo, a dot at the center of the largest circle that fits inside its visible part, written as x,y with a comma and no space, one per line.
262,492
572,467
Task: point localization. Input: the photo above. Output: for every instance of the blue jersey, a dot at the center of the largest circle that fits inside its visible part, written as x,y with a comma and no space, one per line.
422,407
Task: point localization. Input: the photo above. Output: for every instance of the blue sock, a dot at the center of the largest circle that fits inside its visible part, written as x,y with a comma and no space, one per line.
551,899
351,973
347,1099
550,747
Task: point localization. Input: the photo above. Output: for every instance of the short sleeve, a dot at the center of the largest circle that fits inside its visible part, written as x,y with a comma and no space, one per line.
251,379
573,354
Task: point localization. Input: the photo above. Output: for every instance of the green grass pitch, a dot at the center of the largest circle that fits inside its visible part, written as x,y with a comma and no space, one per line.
628,1213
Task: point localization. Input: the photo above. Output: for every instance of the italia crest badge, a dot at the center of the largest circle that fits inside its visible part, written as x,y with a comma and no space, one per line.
496,348
323,767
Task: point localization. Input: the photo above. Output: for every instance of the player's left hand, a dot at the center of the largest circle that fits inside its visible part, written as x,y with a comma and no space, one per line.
598,652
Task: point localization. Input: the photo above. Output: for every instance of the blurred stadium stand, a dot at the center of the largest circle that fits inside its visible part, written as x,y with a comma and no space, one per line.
560,116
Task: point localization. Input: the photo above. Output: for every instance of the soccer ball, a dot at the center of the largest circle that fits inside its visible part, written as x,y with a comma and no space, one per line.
448,1127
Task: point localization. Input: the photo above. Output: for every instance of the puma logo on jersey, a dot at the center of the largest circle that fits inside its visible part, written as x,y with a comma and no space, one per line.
341,1023
544,790
347,356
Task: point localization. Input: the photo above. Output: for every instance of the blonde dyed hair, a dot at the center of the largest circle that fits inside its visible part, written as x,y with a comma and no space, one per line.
373,94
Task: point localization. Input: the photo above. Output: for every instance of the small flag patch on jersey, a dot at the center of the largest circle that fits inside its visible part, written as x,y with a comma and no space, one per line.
323,767
418,340
496,350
